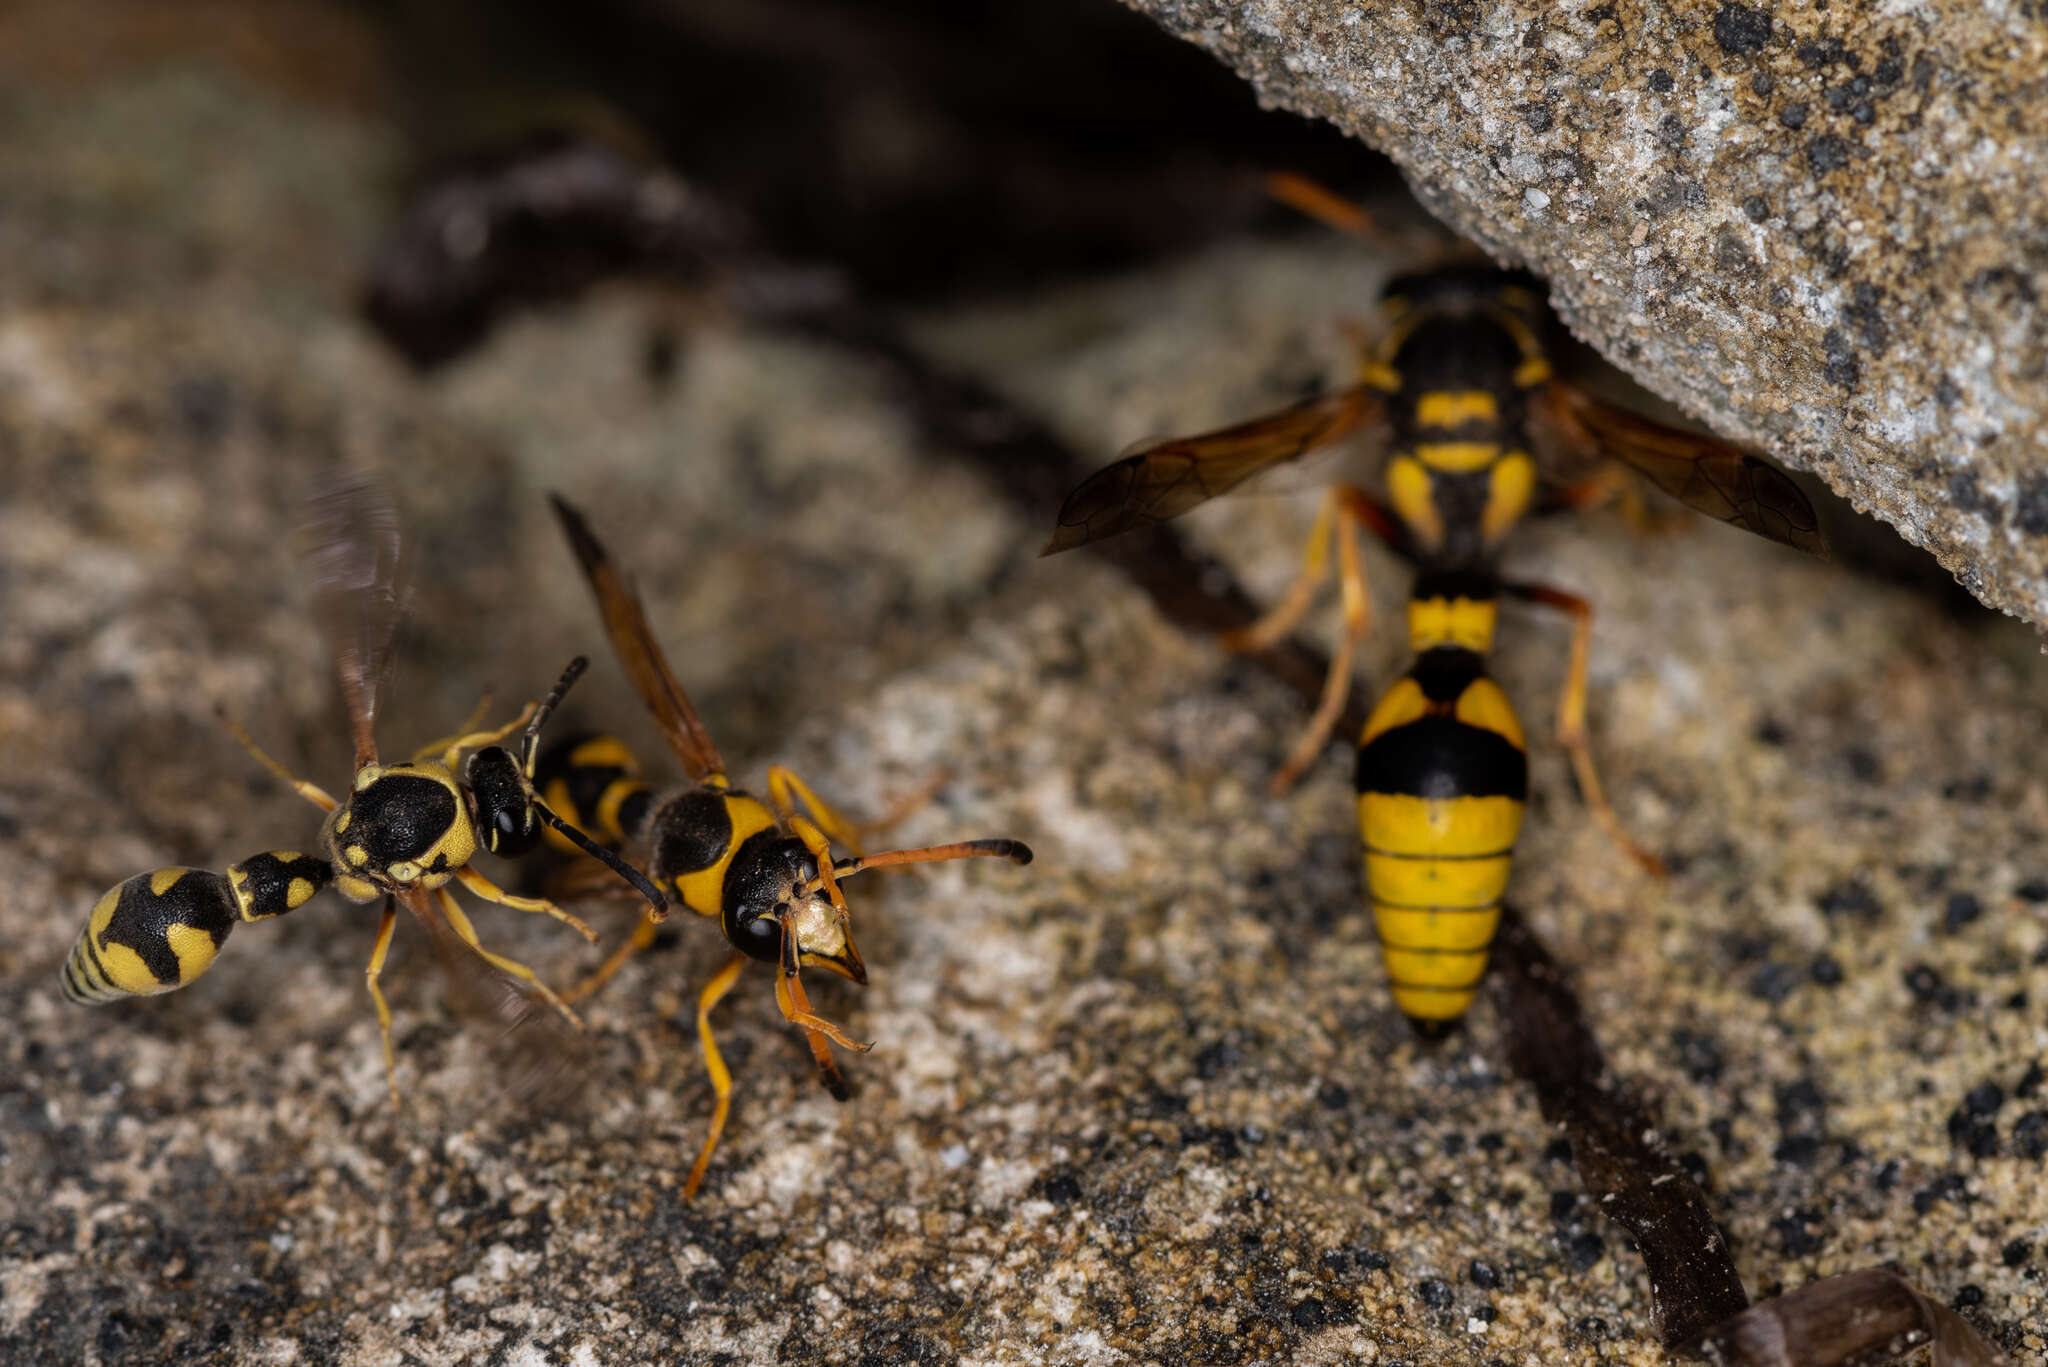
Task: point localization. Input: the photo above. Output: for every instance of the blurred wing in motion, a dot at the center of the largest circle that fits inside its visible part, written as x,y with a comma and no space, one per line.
351,543
1706,475
539,1058
1163,479
639,654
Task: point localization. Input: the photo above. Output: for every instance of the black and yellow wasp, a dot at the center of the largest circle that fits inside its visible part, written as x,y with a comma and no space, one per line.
1458,381
401,833
764,869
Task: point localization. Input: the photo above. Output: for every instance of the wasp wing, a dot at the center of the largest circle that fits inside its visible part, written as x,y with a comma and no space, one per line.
1164,479
351,544
1706,475
633,642
540,1060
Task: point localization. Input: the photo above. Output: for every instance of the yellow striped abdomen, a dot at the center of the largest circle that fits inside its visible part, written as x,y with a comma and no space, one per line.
1442,778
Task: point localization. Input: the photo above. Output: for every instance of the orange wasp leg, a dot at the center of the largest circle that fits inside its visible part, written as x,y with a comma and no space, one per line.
1616,483
370,976
460,923
483,887
1571,718
1345,511
714,1063
312,792
642,936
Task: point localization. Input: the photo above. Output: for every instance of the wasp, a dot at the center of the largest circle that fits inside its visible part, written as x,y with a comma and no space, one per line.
765,869
1460,386
400,833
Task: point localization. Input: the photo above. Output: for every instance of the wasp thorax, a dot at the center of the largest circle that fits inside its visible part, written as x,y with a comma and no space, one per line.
404,825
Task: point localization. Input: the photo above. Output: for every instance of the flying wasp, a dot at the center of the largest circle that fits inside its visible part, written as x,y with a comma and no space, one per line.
1458,384
765,869
401,832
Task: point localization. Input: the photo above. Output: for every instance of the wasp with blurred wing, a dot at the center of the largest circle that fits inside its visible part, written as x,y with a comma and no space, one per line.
401,832
765,869
1459,384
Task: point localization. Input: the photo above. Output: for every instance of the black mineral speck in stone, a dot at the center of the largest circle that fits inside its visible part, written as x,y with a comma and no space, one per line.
2034,890
1310,1314
1483,1275
2030,1081
1660,80
1062,1188
1924,983
1794,1228
1755,209
1584,1251
1853,899
2018,1253
1843,367
1962,909
1827,153
1762,83
2030,509
1793,115
1739,29
1968,1297
1826,971
1434,1291
1774,982
2030,1135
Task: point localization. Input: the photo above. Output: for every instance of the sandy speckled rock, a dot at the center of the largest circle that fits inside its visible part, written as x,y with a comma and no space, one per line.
1817,227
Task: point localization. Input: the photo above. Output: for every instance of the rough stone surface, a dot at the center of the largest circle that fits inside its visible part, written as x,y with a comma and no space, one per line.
1144,1102
1817,227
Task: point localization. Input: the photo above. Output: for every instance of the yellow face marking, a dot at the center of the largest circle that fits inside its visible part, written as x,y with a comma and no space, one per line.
195,950
163,880
704,891
1413,495
1508,492
341,820
356,855
1466,622
1459,828
367,775
1485,705
1457,457
1456,407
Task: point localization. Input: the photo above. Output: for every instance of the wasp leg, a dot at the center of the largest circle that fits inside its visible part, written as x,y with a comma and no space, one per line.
453,911
1352,510
491,892
375,970
1615,483
785,789
714,1063
641,938
819,1033
453,747
312,792
1571,717
447,744
1282,617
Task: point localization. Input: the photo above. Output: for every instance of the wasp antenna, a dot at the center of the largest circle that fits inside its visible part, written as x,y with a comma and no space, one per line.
546,709
657,905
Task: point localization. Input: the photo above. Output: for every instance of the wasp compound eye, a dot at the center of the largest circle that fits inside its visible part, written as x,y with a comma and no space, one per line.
505,819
